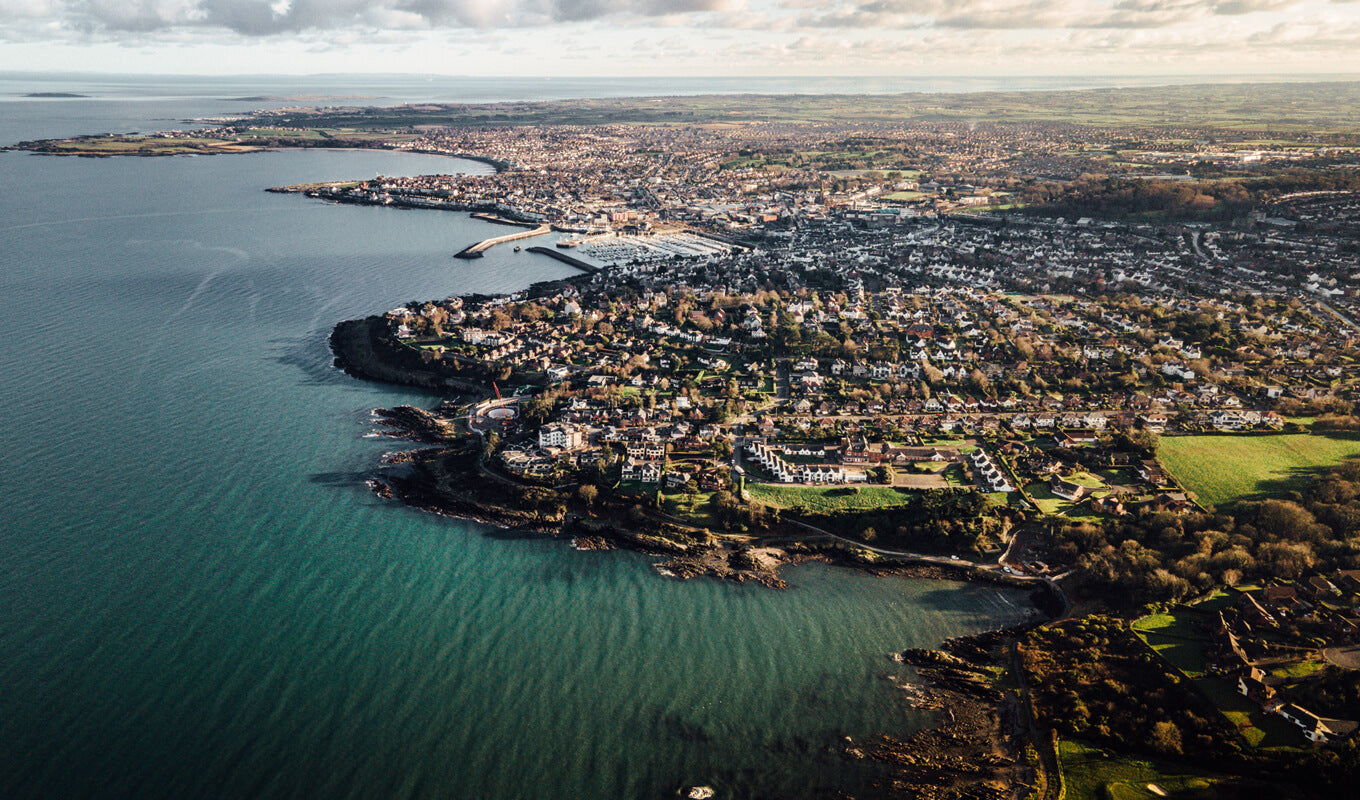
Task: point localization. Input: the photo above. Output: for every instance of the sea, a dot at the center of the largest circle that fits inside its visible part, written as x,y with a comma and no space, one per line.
200,597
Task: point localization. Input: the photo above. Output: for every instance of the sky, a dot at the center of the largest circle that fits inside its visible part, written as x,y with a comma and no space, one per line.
684,37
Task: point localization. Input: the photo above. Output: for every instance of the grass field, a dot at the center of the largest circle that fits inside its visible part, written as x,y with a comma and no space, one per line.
1047,502
1088,480
1297,671
1174,638
1222,468
827,499
693,508
1089,775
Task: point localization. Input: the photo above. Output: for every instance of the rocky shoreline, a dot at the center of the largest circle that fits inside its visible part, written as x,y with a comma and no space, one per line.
973,750
444,479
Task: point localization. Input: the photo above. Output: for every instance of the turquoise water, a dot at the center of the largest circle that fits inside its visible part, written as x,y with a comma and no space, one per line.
200,598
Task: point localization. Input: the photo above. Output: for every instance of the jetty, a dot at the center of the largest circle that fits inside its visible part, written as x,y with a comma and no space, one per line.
476,250
589,269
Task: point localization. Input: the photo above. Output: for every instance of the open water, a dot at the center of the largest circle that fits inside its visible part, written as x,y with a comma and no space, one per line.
199,598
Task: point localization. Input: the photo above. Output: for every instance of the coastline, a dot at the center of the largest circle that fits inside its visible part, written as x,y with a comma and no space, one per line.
89,146
449,478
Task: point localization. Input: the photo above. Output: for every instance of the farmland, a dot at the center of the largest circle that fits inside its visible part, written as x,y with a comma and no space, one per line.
1222,469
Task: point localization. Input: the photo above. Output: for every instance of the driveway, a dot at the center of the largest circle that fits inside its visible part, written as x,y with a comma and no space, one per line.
1344,657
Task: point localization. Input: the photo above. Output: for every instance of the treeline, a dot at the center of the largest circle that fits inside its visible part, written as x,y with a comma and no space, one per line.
1113,198
933,520
1159,556
1203,200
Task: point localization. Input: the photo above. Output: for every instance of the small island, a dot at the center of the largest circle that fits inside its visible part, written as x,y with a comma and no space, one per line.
56,95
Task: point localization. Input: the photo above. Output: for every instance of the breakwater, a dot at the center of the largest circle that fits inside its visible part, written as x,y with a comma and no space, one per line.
565,259
475,250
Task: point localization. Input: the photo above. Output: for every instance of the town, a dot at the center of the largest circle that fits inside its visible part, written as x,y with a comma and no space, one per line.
905,367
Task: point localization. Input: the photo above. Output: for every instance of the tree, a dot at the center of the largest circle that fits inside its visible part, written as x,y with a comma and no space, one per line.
1166,738
588,493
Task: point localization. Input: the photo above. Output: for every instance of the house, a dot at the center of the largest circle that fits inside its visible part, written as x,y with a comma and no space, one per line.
675,480
989,473
641,471
1310,724
1253,613
1070,439
646,451
1251,684
1110,504
560,434
822,473
1067,490
1318,587
855,451
1348,581
1171,502
1284,601
1150,471
773,461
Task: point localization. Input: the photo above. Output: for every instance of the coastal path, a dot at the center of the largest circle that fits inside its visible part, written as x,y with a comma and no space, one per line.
951,561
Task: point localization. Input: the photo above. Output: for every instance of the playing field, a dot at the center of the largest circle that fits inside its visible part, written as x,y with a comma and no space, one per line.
1221,469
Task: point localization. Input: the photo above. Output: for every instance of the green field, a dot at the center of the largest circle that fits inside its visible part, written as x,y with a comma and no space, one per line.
1223,468
693,508
1090,775
1088,480
827,499
1174,638
1047,502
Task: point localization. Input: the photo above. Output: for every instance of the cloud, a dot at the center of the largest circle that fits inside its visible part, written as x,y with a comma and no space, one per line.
1023,14
271,17
732,36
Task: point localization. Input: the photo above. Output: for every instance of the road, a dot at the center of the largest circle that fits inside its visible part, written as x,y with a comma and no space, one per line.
1345,320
